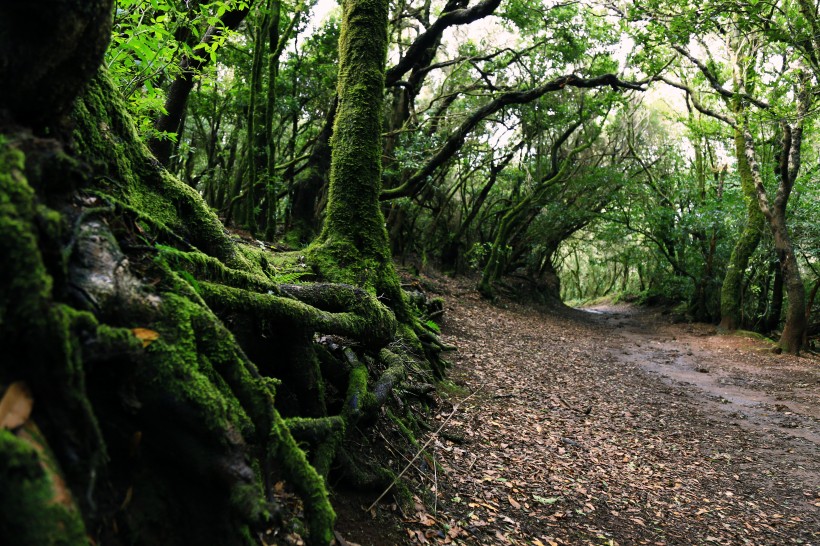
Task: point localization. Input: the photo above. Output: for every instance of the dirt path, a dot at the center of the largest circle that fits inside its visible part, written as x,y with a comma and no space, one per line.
614,426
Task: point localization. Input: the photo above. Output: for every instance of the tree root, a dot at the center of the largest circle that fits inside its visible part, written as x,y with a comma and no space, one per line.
144,363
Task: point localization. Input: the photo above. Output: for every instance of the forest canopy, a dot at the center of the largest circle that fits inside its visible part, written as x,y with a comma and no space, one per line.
202,205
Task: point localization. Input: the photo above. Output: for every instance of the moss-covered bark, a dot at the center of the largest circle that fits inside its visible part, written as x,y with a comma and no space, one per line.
48,51
353,247
731,293
160,352
32,492
179,423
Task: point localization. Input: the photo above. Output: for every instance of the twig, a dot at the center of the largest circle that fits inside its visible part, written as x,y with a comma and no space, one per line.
472,464
583,411
393,449
419,452
435,484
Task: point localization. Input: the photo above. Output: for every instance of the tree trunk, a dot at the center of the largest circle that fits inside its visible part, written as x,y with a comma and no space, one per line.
304,221
353,246
775,306
177,98
791,339
112,313
273,72
731,293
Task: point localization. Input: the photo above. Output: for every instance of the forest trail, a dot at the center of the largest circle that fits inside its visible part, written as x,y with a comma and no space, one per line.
614,425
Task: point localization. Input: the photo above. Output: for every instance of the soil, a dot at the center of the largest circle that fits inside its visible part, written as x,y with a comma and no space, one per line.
612,425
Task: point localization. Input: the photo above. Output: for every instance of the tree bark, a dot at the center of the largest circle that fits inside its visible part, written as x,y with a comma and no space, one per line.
731,293
177,98
48,51
353,246
791,339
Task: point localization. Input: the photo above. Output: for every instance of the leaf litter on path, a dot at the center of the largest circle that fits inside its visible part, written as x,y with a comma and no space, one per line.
567,444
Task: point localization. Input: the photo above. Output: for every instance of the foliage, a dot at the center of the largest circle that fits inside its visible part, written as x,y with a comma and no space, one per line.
149,42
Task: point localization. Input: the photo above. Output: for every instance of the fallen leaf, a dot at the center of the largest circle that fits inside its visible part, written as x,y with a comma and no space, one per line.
513,502
32,435
145,335
129,494
15,407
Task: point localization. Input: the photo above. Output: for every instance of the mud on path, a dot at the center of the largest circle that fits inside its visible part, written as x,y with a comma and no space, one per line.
616,426
738,379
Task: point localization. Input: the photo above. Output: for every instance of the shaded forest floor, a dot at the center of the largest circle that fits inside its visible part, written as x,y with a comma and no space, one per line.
614,425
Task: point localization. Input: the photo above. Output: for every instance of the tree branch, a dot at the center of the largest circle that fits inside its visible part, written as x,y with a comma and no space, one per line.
715,84
429,37
414,184
697,104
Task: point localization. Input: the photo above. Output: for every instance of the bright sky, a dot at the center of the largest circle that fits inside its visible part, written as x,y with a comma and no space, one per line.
320,13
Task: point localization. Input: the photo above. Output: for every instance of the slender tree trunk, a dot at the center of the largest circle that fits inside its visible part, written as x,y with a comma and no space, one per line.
451,253
180,90
256,145
273,73
304,221
775,306
731,293
791,339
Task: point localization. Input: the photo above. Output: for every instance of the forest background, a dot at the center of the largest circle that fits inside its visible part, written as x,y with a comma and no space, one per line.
656,151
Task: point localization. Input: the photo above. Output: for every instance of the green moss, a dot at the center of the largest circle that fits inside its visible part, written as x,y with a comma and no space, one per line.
105,136
753,335
18,243
32,514
360,317
39,335
319,514
449,388
358,399
399,422
731,293
179,369
324,435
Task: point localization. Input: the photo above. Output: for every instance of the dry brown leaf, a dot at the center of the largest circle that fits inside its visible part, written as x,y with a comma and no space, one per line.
15,407
513,502
129,494
145,335
60,494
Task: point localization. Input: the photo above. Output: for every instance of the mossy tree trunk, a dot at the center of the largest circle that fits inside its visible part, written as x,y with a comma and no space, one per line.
353,245
116,313
731,293
791,339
